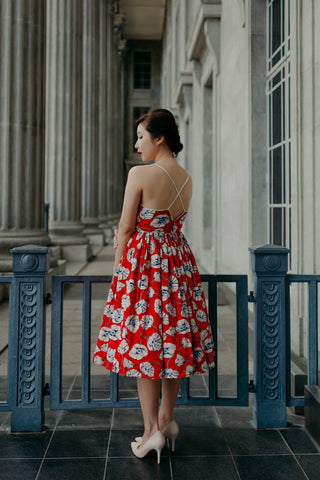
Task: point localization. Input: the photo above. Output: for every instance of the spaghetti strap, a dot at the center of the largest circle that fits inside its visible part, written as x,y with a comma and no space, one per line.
175,186
178,194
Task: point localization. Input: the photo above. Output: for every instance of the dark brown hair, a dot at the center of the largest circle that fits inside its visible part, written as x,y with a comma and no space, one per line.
160,121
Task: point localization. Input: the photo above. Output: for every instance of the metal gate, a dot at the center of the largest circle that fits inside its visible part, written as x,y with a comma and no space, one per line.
271,342
113,392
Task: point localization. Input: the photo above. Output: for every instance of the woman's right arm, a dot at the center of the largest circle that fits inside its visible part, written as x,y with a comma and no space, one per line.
131,202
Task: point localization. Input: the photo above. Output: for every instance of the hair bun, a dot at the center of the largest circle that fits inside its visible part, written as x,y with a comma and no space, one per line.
160,121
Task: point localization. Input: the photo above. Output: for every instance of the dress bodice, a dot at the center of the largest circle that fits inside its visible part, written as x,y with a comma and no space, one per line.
149,219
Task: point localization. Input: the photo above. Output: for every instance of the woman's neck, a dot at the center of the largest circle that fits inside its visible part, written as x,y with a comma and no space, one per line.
164,155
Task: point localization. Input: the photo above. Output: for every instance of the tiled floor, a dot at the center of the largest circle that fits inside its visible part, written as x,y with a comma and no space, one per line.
95,445
215,443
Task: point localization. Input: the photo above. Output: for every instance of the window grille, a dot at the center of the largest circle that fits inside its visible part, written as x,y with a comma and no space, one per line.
279,122
142,69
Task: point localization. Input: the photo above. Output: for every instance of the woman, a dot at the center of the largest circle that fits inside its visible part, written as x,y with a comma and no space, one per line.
155,325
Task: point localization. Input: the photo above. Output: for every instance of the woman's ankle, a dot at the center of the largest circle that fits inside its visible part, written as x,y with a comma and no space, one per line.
164,421
151,429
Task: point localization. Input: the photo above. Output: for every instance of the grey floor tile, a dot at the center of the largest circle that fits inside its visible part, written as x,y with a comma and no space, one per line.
23,445
310,465
271,467
204,468
299,441
127,418
196,416
139,469
12,469
100,418
255,442
67,469
235,417
201,441
78,443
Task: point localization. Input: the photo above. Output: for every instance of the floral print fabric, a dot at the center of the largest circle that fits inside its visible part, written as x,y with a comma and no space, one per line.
155,323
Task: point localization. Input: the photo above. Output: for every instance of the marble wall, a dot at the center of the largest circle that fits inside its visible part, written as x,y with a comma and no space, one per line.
217,87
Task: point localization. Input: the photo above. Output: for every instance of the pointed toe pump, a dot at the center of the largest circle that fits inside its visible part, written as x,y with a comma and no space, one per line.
171,431
156,442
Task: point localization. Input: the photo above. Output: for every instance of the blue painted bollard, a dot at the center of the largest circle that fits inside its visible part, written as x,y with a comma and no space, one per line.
27,338
269,265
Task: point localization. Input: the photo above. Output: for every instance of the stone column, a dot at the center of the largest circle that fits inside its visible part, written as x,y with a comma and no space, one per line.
119,169
104,139
110,164
116,100
64,127
90,121
22,25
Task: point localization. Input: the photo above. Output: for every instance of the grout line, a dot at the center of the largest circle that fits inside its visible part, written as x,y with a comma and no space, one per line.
45,453
19,458
53,432
230,452
293,454
217,419
235,467
66,458
108,446
312,439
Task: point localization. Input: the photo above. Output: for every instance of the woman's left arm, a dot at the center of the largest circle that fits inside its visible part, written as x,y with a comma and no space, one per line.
131,202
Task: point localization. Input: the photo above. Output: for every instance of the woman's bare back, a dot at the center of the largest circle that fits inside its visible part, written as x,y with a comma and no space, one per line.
158,189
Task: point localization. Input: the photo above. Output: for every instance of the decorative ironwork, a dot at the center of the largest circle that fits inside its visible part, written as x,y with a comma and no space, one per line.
29,262
28,343
270,340
272,262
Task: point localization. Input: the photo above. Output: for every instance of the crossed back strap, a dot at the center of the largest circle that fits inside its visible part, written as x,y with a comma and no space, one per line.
175,186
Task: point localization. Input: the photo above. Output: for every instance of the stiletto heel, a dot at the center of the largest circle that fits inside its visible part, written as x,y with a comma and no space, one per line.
171,431
156,442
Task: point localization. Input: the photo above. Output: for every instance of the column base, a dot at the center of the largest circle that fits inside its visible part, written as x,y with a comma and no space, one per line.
96,239
77,253
109,228
74,245
93,233
20,238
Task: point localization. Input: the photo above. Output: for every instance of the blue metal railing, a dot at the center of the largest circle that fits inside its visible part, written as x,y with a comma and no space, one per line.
312,282
212,398
5,280
271,382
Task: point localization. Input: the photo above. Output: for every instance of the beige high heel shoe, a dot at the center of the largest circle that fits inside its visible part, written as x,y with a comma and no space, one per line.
156,442
170,431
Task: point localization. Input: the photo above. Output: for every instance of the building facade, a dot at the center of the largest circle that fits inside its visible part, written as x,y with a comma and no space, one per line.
243,80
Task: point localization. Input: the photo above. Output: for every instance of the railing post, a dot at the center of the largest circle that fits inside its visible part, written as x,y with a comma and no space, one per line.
269,264
27,338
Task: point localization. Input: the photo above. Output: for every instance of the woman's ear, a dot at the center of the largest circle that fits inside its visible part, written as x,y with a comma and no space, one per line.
160,140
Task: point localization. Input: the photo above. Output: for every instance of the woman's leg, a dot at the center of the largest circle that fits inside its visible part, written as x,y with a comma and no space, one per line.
170,390
149,393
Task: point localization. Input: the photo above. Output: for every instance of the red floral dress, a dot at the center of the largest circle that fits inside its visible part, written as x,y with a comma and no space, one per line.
155,323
